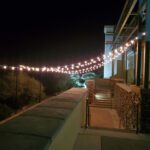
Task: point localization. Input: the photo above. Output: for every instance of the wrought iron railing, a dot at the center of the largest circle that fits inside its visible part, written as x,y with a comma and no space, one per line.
128,106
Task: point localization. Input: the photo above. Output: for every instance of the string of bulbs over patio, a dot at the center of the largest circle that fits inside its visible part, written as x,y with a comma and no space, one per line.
80,67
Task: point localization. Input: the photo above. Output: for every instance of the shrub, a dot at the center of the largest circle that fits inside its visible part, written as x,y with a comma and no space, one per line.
17,90
5,111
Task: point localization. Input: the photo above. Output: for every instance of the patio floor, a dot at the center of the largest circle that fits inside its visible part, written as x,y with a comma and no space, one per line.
104,118
91,139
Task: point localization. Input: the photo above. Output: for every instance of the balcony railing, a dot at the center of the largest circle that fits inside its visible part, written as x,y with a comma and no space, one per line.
127,105
126,100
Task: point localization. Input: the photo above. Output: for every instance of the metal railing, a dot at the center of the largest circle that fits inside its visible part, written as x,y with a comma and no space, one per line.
128,107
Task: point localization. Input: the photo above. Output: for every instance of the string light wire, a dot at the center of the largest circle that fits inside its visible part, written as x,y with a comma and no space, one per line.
80,67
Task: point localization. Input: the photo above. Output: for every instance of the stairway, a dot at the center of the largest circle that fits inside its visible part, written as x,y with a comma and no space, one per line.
107,103
103,99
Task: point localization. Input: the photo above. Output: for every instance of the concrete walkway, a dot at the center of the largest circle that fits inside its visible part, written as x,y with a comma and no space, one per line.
101,114
90,139
104,118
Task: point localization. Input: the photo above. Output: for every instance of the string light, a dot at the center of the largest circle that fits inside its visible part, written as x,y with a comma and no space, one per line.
37,69
132,41
5,67
12,68
80,67
144,33
21,69
44,69
28,69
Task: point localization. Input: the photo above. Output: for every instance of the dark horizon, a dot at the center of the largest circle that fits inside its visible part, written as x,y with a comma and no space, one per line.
53,34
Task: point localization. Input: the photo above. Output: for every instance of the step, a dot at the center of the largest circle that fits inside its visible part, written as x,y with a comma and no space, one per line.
110,105
101,102
101,106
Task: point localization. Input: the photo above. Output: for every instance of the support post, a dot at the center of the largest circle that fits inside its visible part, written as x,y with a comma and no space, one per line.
138,50
113,67
126,72
40,89
138,61
123,66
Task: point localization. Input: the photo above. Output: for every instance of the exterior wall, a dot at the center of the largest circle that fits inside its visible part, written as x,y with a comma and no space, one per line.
115,66
118,66
108,30
130,66
107,67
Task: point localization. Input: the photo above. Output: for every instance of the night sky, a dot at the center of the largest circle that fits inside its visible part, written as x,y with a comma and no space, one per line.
54,33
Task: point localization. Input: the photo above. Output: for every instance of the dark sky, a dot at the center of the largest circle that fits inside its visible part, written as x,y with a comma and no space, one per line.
54,33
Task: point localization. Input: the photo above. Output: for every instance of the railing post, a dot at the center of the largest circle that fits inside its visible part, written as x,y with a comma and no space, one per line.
40,88
91,88
137,118
87,113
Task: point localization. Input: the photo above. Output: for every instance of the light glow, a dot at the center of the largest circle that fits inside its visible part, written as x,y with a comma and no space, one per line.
80,67
5,67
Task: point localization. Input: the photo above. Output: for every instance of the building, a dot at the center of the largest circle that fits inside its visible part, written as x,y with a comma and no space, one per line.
132,36
108,30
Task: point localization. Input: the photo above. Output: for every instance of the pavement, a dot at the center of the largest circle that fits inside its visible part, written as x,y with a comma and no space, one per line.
105,131
99,139
104,118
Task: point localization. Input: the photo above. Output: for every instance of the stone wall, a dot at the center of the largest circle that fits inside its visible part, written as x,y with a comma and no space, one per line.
127,105
52,125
